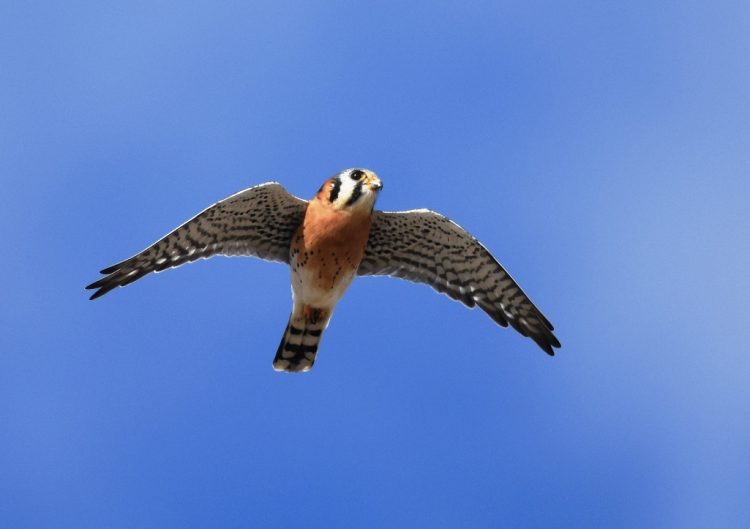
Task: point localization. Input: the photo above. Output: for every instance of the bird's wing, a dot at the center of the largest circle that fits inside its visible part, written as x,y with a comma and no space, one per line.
258,221
426,247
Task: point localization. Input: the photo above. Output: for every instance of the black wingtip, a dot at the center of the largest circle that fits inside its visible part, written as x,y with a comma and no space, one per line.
110,269
101,288
96,284
546,341
98,293
549,344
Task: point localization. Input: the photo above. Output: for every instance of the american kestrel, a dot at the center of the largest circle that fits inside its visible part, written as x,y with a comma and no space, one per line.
329,240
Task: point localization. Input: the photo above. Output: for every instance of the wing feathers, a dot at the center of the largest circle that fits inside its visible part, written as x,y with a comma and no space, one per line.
426,247
258,221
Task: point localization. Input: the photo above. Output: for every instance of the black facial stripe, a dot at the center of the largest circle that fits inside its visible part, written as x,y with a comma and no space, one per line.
335,188
356,193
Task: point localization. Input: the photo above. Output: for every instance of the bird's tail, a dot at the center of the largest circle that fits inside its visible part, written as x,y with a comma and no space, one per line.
301,338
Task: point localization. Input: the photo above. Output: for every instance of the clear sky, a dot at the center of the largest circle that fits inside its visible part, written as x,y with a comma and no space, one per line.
601,150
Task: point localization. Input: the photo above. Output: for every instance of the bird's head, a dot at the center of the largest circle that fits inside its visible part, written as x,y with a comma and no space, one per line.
352,189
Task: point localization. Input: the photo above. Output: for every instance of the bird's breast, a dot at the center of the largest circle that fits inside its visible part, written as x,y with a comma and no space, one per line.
325,253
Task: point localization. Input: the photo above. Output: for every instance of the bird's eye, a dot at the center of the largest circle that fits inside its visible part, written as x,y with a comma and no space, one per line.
357,174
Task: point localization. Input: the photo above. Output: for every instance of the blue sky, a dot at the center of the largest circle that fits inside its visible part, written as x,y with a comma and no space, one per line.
601,150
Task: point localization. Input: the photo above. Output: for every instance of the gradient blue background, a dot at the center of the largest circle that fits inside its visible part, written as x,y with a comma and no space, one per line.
600,149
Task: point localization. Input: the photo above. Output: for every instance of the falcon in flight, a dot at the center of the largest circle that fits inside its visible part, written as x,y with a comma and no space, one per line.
329,240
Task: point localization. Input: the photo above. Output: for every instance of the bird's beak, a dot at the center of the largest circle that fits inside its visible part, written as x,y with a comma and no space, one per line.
375,184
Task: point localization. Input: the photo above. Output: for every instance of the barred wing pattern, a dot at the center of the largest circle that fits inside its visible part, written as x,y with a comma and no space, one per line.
426,247
258,221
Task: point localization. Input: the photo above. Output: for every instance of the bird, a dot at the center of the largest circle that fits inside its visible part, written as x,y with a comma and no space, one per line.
329,240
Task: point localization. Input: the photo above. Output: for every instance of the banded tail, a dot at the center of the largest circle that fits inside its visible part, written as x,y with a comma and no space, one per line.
299,344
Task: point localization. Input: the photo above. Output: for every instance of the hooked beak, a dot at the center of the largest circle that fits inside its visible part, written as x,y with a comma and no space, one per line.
376,184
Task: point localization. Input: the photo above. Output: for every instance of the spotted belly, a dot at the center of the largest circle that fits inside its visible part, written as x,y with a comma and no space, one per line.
319,279
325,253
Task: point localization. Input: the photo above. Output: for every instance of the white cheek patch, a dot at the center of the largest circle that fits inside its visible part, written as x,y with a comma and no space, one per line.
345,191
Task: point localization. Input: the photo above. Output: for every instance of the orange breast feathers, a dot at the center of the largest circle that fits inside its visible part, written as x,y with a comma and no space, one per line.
330,240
